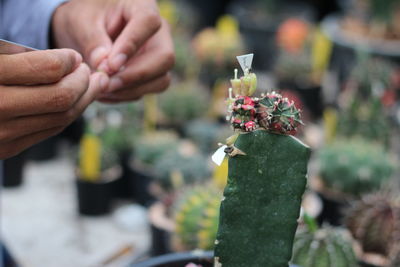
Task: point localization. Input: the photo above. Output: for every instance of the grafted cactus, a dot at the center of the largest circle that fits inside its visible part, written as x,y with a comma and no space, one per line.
266,180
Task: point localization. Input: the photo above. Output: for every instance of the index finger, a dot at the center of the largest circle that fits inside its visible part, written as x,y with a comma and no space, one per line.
143,21
38,67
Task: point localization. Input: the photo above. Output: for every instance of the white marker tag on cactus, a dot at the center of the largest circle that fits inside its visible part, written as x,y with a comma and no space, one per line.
219,155
245,61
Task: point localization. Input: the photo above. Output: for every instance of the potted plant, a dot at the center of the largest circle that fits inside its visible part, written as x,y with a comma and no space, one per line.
295,67
374,222
98,170
348,169
185,101
327,246
366,101
266,180
215,49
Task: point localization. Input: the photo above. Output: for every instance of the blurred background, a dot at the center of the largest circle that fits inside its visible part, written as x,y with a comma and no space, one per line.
132,181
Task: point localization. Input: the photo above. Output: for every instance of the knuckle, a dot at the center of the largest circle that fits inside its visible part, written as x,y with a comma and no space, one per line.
55,67
4,135
153,18
169,59
164,84
68,116
63,98
141,75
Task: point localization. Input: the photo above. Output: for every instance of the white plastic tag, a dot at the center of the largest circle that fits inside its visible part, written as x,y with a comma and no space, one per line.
245,61
219,155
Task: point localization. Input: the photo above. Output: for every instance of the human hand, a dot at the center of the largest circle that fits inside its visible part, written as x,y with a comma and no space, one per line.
146,72
124,36
102,28
42,92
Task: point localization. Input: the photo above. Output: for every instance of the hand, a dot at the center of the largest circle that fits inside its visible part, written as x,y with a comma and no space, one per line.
125,38
102,28
146,72
42,92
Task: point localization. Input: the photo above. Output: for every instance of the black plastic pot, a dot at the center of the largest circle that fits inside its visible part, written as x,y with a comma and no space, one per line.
311,96
134,183
332,211
13,171
45,150
94,198
160,241
204,258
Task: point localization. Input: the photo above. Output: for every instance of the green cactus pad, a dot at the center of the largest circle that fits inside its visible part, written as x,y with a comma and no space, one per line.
262,201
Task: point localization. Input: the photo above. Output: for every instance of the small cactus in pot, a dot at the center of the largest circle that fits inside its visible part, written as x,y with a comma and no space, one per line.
324,247
374,221
176,169
354,167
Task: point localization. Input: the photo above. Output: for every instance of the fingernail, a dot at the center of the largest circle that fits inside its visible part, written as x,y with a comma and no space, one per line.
103,67
78,59
115,83
117,61
97,55
104,80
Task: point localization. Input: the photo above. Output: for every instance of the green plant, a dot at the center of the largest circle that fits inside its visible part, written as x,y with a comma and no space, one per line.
266,181
150,147
362,103
196,217
375,222
206,134
354,166
183,103
174,169
325,247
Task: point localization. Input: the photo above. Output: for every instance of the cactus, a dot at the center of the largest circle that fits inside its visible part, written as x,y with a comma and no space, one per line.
206,134
266,181
375,222
354,166
183,103
364,99
152,146
326,247
174,169
196,218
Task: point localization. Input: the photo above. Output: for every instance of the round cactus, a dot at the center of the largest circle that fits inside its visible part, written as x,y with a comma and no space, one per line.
184,102
375,222
175,169
326,247
196,218
354,166
152,146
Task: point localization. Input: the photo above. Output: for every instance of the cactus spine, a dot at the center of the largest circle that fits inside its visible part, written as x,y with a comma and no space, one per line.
266,181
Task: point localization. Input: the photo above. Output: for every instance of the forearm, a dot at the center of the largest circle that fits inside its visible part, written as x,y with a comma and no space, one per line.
28,21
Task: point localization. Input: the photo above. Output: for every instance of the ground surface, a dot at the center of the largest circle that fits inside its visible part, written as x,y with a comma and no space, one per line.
40,225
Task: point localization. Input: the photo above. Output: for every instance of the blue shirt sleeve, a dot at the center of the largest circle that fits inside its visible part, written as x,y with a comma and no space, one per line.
27,21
